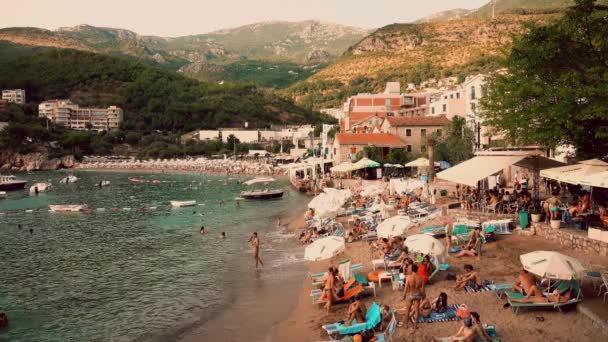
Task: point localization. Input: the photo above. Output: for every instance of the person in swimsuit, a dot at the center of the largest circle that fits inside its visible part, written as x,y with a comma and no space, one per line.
526,284
465,333
555,297
255,243
203,232
413,294
449,228
470,278
552,204
425,308
478,328
474,246
223,235
330,289
356,311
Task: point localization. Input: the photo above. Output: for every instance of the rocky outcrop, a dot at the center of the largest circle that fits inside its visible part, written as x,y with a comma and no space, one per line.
34,161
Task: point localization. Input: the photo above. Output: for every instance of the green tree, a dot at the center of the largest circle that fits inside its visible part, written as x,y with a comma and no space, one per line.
553,91
231,141
456,145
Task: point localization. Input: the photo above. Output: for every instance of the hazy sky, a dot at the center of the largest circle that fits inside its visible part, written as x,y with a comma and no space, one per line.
183,17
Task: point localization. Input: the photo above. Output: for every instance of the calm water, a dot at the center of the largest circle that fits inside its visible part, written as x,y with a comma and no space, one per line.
126,274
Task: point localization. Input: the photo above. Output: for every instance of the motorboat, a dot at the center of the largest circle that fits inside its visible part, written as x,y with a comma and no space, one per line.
135,179
261,194
11,183
67,208
68,179
2,194
40,187
178,204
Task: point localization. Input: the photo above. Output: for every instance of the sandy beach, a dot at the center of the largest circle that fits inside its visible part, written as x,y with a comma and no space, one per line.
500,263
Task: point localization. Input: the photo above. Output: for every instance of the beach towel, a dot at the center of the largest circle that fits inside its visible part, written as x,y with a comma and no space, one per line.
344,270
447,316
486,286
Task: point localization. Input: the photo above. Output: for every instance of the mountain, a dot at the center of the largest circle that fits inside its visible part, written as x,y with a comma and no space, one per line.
452,14
270,53
413,53
152,98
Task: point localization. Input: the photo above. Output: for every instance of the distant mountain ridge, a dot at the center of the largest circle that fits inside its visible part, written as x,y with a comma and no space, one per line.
451,14
206,55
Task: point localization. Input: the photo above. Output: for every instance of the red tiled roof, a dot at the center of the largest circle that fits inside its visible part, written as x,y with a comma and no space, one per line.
371,139
418,121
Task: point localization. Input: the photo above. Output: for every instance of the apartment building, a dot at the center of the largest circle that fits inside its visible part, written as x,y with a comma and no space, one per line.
347,145
14,95
413,131
68,114
450,103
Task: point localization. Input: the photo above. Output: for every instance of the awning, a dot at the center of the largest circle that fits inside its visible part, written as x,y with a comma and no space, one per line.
365,163
543,163
343,167
599,180
478,168
576,173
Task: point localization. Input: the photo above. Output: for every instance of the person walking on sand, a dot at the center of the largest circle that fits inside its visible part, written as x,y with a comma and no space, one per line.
413,295
255,242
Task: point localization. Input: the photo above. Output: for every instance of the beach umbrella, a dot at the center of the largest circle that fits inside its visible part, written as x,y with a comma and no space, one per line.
366,162
425,244
551,265
324,248
394,226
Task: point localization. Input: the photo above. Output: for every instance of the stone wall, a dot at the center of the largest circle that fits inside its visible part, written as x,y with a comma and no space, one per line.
571,240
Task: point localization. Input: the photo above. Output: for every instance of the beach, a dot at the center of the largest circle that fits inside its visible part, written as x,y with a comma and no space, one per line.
500,263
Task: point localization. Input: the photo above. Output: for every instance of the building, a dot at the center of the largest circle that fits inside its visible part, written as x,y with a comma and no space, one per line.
450,103
293,133
473,88
14,95
347,145
68,114
413,131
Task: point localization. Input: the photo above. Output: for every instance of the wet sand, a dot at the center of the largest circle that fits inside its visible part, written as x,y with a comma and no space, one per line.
500,263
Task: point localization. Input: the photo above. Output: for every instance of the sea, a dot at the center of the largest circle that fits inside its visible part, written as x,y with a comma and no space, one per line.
135,269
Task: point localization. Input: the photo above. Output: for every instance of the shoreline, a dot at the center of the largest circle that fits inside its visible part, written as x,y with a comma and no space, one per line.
171,171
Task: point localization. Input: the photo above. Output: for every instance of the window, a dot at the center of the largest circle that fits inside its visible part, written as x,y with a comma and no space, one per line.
353,150
473,106
409,148
423,148
445,97
451,96
423,132
473,97
408,132
335,152
432,110
445,107
439,132
457,95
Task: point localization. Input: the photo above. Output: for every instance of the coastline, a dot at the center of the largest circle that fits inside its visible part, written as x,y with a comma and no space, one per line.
170,171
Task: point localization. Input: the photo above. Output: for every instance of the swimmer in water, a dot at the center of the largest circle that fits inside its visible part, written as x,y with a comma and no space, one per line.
238,204
203,232
31,231
221,203
223,235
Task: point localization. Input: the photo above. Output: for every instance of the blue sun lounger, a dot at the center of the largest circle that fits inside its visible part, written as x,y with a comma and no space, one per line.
372,319
516,306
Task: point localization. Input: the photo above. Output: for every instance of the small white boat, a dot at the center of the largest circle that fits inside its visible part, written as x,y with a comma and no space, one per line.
103,183
177,204
68,180
2,194
67,208
40,187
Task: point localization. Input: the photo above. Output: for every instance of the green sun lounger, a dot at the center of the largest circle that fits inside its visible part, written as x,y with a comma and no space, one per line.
563,286
372,319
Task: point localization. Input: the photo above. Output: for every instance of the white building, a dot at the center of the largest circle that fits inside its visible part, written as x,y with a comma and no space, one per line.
450,103
473,88
14,95
68,114
294,133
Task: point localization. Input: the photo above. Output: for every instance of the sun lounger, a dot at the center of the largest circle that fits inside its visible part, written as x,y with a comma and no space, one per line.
348,295
489,287
447,316
372,319
321,276
436,230
516,306
387,335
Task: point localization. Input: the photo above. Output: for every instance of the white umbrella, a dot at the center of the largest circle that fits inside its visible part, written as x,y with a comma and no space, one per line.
420,162
394,226
425,244
324,248
551,265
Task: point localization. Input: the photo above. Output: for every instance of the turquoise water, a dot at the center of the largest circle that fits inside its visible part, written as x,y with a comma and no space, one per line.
131,273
